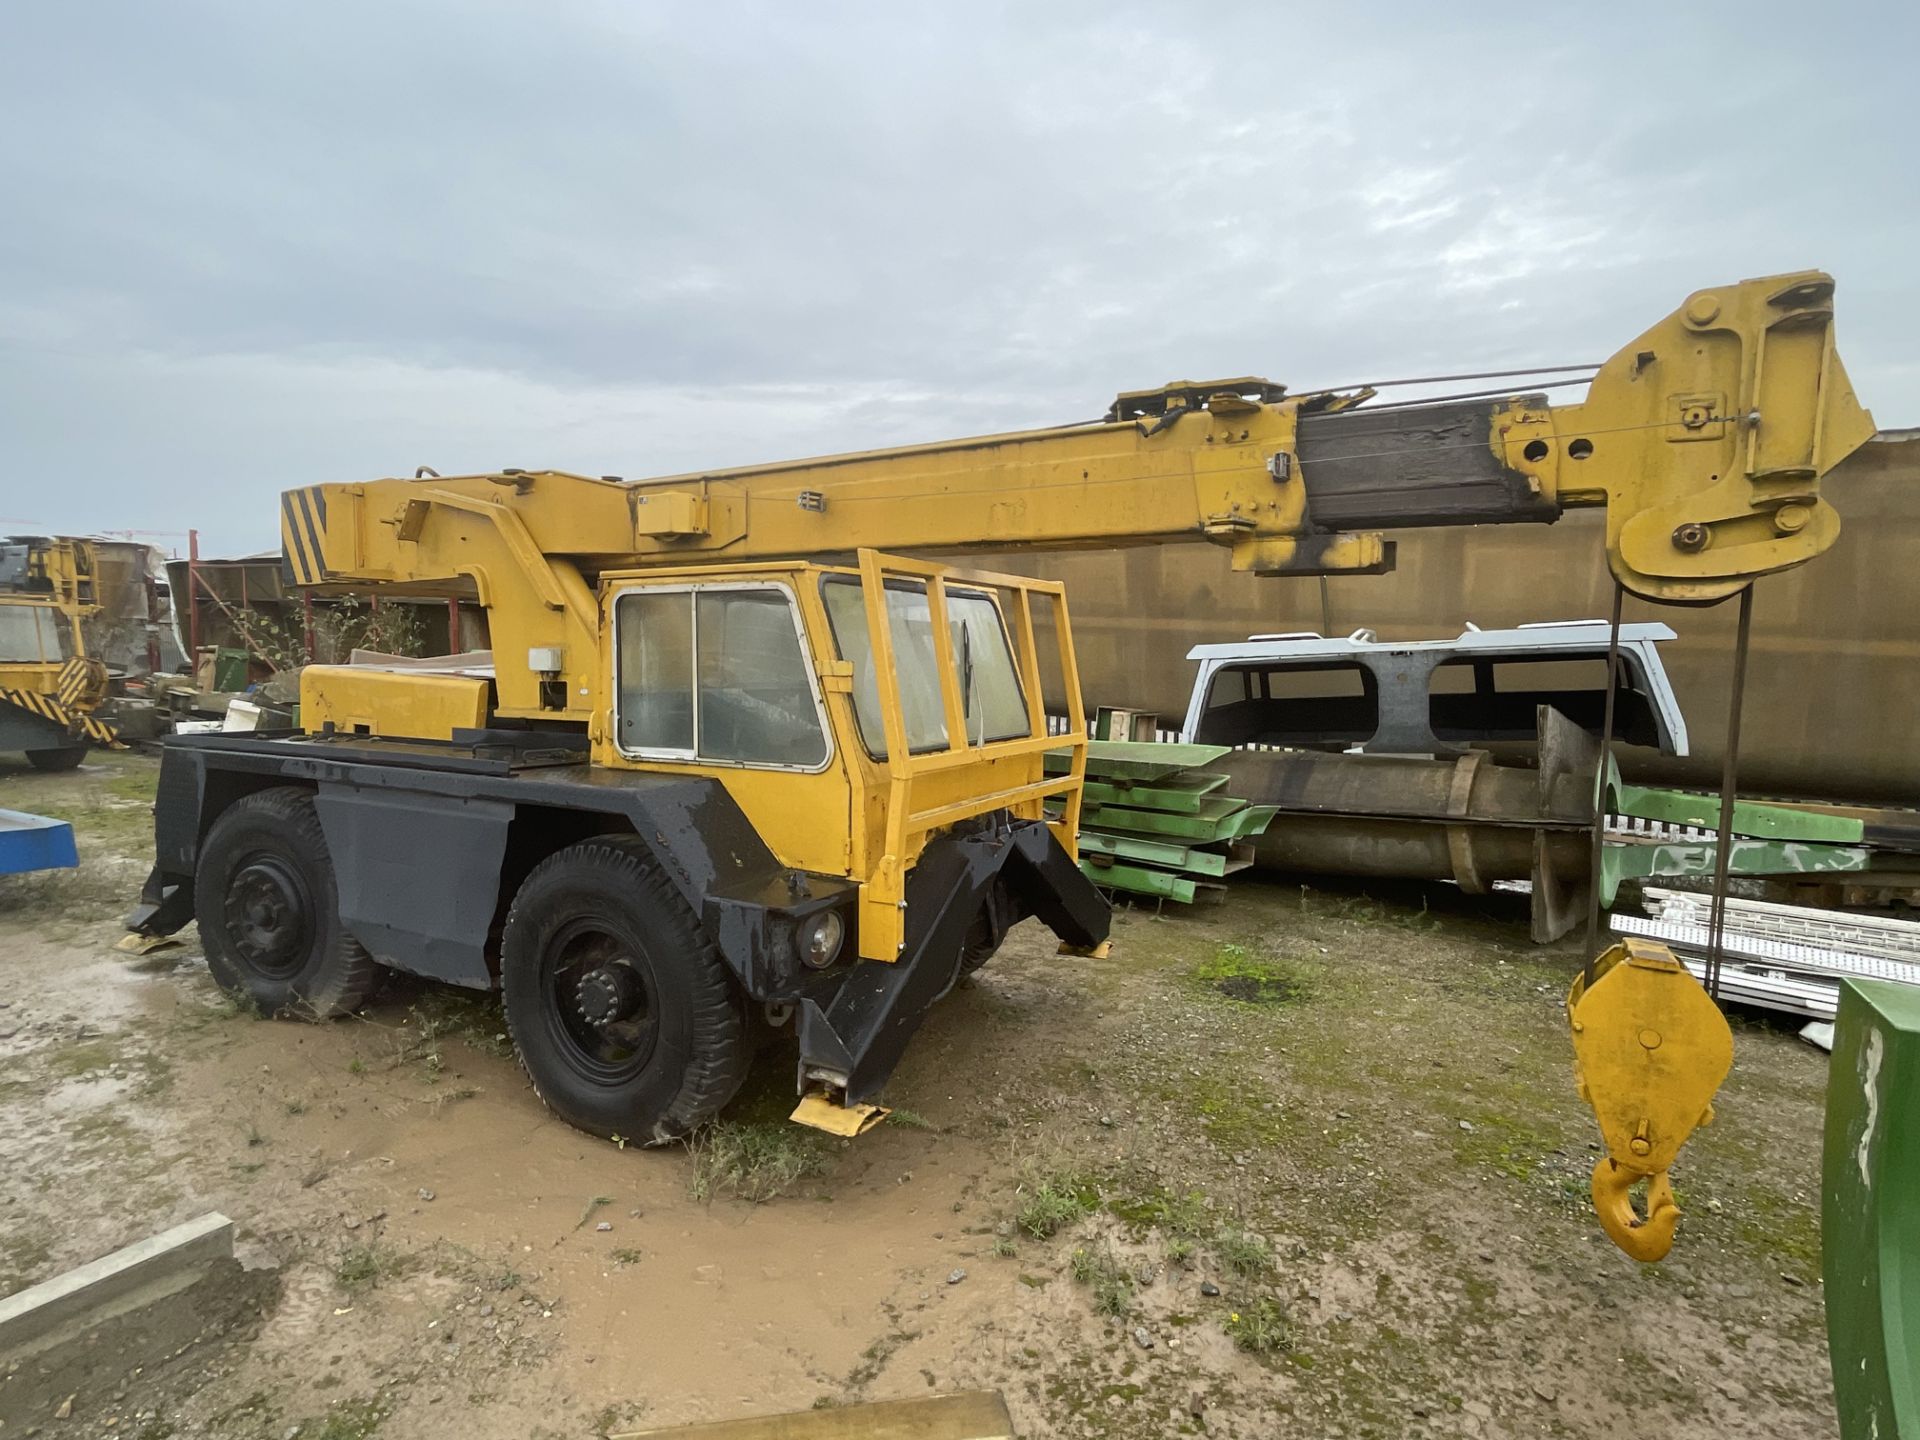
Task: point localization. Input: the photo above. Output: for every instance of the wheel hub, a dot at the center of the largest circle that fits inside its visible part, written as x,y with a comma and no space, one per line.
268,917
608,994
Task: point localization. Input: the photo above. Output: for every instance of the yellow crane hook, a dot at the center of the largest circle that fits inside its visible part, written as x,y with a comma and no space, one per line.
1650,1051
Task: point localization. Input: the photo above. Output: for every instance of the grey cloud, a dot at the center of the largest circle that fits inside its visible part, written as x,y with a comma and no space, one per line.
255,246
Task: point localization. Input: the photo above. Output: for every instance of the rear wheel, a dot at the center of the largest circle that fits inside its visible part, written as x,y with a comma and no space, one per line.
620,1007
269,912
981,944
66,758
988,931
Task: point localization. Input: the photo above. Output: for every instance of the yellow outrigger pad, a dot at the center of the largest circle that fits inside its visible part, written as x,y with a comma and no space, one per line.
143,944
971,1415
1650,1050
1087,952
821,1111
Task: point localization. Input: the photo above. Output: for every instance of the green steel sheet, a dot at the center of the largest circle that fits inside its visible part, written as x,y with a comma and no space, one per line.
1252,821
1141,881
1181,793
1190,858
1213,821
1634,860
1220,817
1870,1210
1750,817
1138,759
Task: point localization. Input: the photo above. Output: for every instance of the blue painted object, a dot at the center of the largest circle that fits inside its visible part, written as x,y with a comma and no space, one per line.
33,842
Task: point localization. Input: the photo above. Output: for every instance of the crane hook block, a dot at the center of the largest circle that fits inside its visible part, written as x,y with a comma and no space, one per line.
1650,1051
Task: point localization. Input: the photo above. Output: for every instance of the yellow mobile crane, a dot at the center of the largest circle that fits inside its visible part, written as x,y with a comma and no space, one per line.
735,763
50,686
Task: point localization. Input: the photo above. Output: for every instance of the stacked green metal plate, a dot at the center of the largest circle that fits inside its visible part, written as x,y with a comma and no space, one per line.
1153,820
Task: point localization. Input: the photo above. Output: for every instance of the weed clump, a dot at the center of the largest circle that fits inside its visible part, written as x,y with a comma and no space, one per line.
1103,1275
752,1162
1183,1216
1242,1253
1053,1203
362,1267
350,1420
1260,1329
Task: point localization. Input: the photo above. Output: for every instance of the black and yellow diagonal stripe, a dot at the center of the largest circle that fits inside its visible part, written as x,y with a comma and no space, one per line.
77,723
75,681
303,524
47,707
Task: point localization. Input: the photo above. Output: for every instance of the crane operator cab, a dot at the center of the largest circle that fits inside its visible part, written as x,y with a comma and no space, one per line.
811,692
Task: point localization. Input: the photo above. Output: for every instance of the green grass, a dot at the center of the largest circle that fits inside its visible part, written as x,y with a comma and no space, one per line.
1053,1202
1238,974
1260,1329
364,1266
1242,1253
349,1420
755,1161
469,1017
1237,1109
1183,1216
1502,1139
1110,1285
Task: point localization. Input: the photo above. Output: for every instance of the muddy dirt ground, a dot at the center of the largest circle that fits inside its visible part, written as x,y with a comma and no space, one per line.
1349,1114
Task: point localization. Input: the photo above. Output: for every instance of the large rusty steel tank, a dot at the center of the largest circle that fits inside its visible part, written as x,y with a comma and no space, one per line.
1833,685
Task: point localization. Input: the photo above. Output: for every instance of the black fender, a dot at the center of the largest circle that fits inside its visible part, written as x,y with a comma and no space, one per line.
851,1039
429,843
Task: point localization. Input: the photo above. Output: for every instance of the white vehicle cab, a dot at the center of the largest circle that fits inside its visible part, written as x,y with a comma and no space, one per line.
1430,697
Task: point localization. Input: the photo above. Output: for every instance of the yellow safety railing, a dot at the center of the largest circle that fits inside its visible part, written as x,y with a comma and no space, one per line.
911,816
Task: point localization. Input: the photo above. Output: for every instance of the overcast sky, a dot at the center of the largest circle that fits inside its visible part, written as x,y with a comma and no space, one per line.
249,246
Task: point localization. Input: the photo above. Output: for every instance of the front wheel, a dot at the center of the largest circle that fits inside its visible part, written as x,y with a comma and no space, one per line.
68,757
616,999
269,911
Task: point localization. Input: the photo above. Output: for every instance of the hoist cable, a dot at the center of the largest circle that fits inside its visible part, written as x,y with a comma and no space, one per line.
1729,768
1596,857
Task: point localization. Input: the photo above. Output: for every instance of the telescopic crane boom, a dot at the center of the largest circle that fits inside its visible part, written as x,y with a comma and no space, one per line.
1706,439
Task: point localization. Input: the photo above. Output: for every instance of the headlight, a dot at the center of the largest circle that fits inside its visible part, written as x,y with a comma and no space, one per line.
820,939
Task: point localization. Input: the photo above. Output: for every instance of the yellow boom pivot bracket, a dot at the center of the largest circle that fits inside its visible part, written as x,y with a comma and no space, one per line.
1650,1051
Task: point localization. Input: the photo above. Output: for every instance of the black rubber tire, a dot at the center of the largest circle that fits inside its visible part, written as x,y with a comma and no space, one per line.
267,856
981,944
692,1045
66,758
